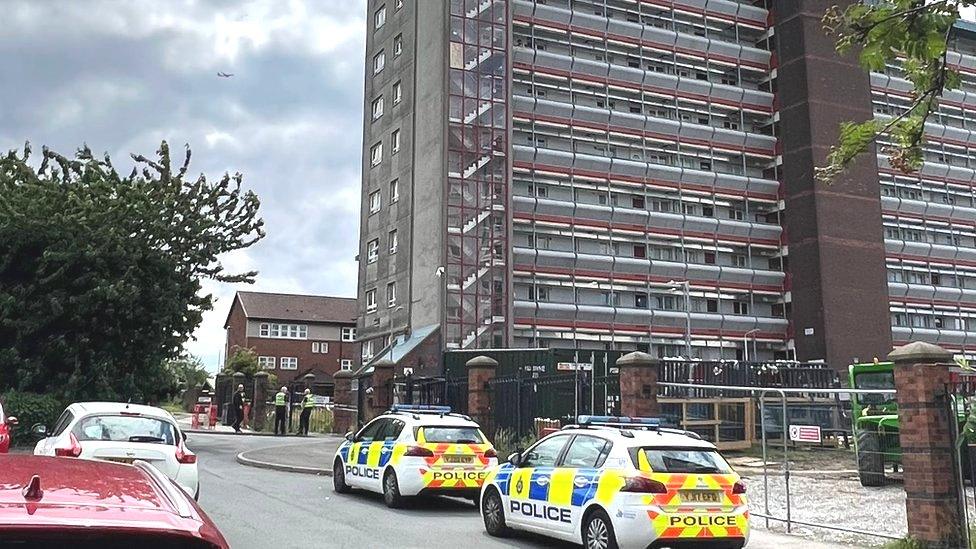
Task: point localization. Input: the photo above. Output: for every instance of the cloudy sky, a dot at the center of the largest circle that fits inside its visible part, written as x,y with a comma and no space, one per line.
122,76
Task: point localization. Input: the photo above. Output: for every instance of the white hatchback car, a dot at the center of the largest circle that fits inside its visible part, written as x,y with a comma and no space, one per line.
114,431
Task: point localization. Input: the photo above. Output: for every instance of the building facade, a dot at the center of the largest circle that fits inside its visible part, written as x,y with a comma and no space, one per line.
294,335
618,174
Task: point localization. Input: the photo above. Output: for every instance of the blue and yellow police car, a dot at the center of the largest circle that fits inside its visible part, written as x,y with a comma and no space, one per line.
612,482
415,450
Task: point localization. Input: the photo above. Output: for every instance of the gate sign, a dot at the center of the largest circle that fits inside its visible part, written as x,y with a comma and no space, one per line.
805,433
572,366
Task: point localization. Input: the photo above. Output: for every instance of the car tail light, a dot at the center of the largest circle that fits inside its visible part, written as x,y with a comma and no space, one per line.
643,485
185,456
739,487
418,451
74,450
491,453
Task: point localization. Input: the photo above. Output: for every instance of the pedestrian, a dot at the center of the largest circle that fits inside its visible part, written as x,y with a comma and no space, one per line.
281,411
238,408
308,402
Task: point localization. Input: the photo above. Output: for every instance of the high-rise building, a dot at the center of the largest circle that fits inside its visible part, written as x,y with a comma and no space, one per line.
639,174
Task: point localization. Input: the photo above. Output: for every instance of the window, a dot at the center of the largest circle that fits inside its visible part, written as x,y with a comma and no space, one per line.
640,301
711,305
586,451
397,92
289,363
452,435
371,431
372,250
375,202
377,108
391,294
544,453
370,302
397,45
682,460
740,307
379,18
284,331
125,428
637,202
368,349
394,190
345,364
538,293
392,240
738,260
266,362
395,141
349,333
376,154
320,347
710,258
640,251
379,61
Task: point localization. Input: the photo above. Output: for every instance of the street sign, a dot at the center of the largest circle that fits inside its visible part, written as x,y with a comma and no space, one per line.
572,366
805,433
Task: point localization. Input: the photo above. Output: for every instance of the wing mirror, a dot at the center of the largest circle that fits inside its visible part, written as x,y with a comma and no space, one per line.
39,430
183,434
350,437
515,458
12,421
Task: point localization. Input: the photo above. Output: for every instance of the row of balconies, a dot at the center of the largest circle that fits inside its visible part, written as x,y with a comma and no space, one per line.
926,250
728,11
947,338
934,171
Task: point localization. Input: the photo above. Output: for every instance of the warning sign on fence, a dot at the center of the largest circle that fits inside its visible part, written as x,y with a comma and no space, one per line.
572,366
805,433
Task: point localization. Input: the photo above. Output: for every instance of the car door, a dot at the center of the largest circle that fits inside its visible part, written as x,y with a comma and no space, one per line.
528,489
577,476
45,446
359,472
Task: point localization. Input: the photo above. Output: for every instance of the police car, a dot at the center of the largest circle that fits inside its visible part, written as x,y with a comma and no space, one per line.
415,450
619,482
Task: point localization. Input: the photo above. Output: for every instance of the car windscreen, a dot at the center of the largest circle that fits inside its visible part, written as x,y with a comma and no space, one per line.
451,435
123,428
680,460
875,380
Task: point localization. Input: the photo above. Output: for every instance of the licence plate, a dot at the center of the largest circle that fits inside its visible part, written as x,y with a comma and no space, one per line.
119,460
700,496
457,459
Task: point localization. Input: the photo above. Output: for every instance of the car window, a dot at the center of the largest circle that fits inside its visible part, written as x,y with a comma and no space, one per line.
453,435
586,451
681,460
119,428
544,453
369,432
62,423
391,431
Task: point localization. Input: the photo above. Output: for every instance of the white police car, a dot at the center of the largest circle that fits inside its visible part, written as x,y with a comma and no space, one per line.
415,450
619,482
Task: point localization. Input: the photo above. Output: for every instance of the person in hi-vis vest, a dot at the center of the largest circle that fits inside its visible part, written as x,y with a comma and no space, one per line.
281,411
308,402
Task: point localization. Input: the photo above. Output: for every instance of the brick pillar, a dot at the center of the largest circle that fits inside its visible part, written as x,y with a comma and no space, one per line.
344,411
481,370
259,404
382,397
931,483
638,385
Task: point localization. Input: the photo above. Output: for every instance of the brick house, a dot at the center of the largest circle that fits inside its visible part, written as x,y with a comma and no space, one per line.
295,334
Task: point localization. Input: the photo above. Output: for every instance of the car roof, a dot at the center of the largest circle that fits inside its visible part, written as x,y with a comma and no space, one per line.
421,419
88,408
96,495
662,438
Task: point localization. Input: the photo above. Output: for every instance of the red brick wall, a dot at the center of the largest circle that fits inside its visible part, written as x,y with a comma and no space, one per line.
426,359
236,329
327,363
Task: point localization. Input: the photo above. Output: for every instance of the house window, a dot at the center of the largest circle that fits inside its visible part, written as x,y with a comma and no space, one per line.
266,362
377,109
379,18
289,363
637,202
391,294
371,300
397,45
394,190
538,293
397,92
375,202
284,331
711,305
372,250
395,141
349,333
345,364
640,301
379,61
738,260
368,349
315,346
640,251
740,307
392,239
710,258
376,154
320,347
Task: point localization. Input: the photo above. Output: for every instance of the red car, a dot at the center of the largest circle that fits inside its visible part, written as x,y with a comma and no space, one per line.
48,502
5,424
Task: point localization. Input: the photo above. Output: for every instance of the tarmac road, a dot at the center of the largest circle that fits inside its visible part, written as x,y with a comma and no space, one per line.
258,509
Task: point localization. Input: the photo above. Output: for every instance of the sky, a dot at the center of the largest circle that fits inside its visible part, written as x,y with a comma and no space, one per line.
123,76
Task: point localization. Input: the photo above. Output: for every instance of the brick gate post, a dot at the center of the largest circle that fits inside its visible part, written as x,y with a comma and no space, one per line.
344,411
259,404
931,485
638,385
382,397
481,370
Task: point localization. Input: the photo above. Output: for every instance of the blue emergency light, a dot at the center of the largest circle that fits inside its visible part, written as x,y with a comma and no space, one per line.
648,422
420,408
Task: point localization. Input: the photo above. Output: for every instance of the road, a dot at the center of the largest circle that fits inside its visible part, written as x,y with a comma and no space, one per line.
259,509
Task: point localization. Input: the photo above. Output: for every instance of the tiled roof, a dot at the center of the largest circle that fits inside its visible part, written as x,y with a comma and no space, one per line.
306,308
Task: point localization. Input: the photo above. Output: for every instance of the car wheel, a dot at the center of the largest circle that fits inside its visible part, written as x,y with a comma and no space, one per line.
493,514
598,531
339,485
870,460
391,491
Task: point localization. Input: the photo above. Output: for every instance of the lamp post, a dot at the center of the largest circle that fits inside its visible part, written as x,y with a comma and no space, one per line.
686,287
745,343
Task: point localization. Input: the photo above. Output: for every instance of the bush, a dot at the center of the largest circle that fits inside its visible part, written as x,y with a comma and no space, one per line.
30,409
507,442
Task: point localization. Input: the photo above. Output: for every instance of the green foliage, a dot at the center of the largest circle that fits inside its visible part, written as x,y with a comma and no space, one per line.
916,33
506,442
186,371
246,361
905,543
30,409
100,273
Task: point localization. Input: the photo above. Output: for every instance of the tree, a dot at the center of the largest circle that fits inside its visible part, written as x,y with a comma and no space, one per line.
100,273
186,371
915,31
246,361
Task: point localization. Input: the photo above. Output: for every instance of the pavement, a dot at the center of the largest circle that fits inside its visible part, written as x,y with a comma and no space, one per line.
250,488
185,421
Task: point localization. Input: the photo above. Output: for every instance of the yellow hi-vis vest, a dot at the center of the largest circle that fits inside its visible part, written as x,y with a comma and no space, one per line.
309,402
280,399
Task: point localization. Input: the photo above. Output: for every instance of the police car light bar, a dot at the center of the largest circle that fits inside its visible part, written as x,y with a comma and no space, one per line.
648,422
420,408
